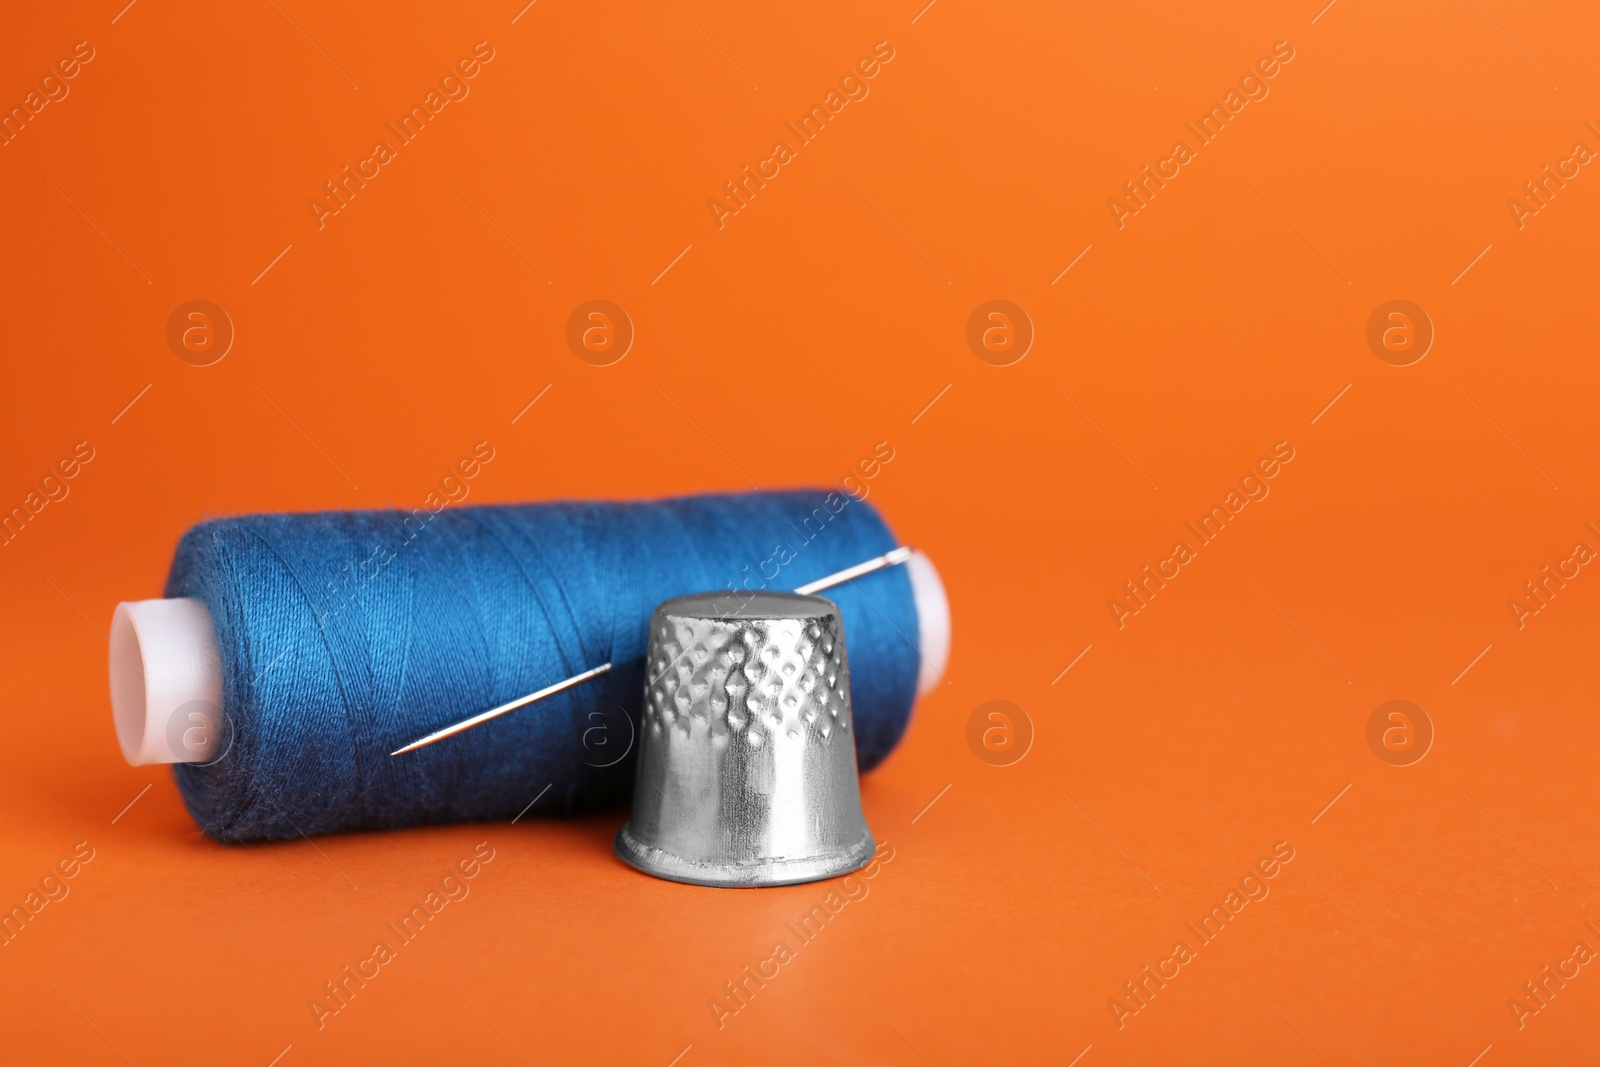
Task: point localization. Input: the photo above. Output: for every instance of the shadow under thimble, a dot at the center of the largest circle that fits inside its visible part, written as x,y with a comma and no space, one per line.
747,761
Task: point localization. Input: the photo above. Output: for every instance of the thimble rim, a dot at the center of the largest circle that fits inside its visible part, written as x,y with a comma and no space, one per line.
745,874
763,604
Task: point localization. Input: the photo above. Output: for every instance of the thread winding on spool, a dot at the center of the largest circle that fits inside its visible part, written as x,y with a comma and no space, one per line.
294,652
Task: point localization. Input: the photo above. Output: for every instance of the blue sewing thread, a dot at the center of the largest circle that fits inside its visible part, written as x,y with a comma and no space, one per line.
344,635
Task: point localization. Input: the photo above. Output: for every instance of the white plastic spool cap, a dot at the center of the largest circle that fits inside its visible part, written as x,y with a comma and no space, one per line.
933,621
166,675
166,681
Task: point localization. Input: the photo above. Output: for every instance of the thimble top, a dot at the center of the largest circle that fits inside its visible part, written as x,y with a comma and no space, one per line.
749,668
747,764
731,605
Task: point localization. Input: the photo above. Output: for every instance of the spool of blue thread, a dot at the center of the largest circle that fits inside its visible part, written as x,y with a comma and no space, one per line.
340,636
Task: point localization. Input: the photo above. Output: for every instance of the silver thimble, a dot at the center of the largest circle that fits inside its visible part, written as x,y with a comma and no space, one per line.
747,759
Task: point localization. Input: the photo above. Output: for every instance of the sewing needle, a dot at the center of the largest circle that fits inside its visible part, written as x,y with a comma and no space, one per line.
888,559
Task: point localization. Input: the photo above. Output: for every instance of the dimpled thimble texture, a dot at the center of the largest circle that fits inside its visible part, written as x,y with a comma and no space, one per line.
747,767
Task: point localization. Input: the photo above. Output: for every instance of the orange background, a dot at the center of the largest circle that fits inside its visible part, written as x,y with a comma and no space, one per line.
824,318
